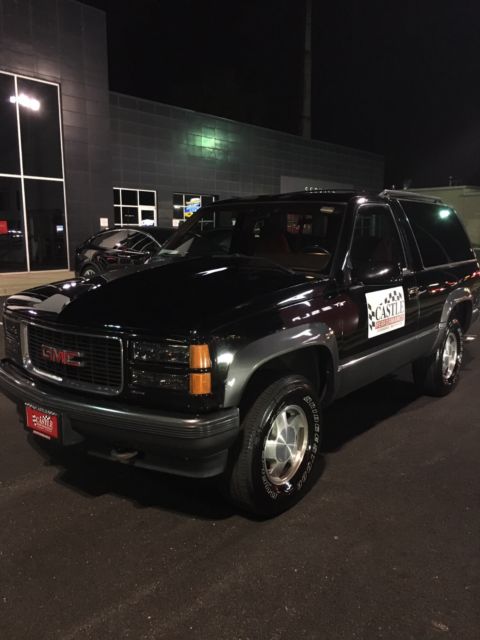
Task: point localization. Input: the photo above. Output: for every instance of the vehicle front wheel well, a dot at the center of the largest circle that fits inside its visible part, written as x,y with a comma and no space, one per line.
87,266
313,363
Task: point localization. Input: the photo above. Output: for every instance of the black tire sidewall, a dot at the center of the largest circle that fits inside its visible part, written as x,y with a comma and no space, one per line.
272,498
89,268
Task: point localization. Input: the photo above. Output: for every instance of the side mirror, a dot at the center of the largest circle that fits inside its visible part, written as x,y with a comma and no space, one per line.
377,273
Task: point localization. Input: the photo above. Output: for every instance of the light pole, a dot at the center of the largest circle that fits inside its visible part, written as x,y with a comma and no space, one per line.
307,74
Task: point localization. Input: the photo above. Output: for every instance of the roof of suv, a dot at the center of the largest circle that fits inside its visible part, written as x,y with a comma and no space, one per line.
296,196
336,195
409,195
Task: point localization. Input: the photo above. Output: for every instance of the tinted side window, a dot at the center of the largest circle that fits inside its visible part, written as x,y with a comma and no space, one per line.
439,233
149,245
375,238
110,239
131,238
139,241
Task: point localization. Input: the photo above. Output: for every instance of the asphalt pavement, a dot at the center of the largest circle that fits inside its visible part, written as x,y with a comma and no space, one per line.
387,545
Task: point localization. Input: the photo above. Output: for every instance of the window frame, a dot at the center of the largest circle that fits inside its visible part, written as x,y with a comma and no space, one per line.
23,176
139,207
234,207
348,260
177,221
417,246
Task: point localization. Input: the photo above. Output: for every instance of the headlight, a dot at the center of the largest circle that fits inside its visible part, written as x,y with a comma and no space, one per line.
171,366
156,380
167,352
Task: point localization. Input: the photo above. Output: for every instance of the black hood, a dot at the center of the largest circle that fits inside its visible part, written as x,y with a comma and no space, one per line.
175,297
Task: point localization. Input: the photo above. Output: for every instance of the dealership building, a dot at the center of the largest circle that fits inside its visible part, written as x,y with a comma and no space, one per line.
76,157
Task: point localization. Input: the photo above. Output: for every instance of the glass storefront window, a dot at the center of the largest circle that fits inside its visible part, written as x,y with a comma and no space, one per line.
147,198
129,196
9,156
130,215
46,224
134,207
12,236
40,130
33,225
186,204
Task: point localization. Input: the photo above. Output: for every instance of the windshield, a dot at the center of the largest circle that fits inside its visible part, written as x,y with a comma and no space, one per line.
302,237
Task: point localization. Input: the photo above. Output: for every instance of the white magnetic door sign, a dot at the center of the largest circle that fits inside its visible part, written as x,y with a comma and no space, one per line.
386,311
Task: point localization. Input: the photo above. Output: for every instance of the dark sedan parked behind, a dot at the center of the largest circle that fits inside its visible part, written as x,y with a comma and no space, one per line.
117,248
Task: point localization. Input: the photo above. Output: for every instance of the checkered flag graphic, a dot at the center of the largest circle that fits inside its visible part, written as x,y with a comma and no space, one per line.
393,296
371,317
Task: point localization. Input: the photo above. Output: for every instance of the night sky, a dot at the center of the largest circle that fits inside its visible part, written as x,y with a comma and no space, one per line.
400,79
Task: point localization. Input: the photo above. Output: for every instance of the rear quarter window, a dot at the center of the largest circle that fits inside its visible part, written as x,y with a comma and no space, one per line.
110,239
439,233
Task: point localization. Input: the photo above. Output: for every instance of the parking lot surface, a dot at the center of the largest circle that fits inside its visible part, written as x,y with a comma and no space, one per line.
385,546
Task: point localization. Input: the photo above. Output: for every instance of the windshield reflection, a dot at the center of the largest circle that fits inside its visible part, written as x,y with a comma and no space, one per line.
302,237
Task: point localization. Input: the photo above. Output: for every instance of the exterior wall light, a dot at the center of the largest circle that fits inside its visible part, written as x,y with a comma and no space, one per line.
25,101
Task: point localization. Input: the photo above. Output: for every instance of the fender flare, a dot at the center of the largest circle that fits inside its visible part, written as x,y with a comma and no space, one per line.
454,298
247,360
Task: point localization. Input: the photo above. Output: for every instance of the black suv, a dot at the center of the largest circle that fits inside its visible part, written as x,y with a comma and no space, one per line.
217,356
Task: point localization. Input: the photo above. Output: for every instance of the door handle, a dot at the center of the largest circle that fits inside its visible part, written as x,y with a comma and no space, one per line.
412,293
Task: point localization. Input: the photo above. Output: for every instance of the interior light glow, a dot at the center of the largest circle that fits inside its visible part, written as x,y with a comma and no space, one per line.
444,213
25,101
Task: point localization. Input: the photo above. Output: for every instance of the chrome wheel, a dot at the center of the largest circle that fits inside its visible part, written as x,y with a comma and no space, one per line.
450,356
285,444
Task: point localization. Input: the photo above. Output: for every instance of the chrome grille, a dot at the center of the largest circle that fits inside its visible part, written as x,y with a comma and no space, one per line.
99,363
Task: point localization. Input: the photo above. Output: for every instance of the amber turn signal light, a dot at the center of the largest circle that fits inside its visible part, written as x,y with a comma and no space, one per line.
200,379
200,384
200,356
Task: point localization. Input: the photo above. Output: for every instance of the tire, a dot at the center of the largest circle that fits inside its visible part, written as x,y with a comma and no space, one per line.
89,271
265,476
438,374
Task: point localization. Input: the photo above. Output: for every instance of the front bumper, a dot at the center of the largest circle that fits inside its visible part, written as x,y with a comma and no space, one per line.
191,445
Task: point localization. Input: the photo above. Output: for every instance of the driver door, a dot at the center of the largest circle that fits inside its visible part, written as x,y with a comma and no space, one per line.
383,297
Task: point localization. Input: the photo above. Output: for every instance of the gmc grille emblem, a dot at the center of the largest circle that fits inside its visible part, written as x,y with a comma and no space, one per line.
61,356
